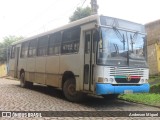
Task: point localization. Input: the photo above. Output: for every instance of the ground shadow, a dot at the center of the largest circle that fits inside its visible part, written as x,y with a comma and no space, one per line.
96,102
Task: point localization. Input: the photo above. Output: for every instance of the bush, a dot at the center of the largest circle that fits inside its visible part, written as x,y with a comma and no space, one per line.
155,88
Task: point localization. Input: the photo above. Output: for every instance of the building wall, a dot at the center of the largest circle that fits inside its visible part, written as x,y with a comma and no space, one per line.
3,70
153,46
158,56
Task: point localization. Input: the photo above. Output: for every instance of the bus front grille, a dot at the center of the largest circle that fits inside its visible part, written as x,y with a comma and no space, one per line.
125,71
125,80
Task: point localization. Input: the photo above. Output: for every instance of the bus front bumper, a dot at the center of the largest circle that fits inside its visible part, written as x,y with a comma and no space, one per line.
103,89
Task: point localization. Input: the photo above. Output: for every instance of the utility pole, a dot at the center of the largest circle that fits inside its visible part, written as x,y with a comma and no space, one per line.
94,7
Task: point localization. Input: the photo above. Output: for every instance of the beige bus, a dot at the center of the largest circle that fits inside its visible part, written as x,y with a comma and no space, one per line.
97,55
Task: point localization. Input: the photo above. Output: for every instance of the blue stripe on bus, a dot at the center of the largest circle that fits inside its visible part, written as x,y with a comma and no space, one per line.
103,89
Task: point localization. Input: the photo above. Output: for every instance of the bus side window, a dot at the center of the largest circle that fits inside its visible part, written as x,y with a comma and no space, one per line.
75,36
96,38
24,49
87,43
13,52
32,48
54,43
70,41
42,45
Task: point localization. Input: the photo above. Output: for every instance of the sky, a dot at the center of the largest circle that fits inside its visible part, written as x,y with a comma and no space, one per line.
30,17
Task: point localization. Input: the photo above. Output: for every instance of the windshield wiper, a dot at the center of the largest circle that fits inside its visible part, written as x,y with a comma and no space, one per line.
121,37
116,48
133,38
127,50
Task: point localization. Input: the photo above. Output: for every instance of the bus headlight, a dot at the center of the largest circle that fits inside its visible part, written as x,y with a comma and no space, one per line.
106,80
142,81
146,80
111,80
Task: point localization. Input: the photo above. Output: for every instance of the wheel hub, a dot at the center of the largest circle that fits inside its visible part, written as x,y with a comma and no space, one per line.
71,89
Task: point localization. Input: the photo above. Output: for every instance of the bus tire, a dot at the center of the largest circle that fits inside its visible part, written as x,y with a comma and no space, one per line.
23,82
69,90
110,96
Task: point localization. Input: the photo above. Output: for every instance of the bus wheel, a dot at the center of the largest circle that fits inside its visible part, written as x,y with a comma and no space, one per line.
110,96
69,90
23,82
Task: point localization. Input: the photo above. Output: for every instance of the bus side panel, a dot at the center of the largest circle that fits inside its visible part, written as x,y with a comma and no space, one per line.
31,69
11,67
79,82
71,62
52,71
40,70
81,58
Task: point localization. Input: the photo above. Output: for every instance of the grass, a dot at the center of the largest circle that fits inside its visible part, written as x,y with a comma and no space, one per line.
151,98
145,98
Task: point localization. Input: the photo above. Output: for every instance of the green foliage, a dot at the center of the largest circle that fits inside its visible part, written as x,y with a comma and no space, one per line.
155,88
10,39
7,41
80,13
154,79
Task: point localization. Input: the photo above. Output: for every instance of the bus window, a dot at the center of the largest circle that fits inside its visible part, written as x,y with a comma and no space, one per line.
87,43
42,46
54,43
32,48
70,41
13,52
24,50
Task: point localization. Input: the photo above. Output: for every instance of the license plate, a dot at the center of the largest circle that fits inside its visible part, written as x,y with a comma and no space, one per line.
128,91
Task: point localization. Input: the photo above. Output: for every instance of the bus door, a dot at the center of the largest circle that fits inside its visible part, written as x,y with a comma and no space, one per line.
17,52
89,61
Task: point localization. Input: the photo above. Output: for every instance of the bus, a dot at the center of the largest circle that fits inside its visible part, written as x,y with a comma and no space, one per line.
97,55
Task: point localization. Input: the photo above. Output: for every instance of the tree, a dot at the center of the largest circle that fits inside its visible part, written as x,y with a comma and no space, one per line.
7,41
80,13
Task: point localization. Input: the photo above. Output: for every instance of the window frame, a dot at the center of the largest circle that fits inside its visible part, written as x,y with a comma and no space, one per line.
41,47
13,53
71,44
35,47
53,38
25,50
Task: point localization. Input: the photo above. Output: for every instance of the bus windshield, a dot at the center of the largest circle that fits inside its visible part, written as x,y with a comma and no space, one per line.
121,48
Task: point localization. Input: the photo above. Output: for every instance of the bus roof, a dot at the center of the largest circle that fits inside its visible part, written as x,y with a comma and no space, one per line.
69,25
105,20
